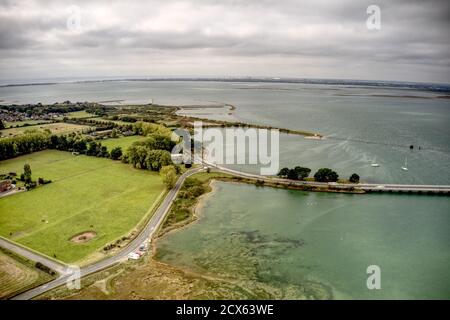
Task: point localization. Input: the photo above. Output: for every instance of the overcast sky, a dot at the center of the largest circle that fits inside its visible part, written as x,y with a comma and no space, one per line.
311,38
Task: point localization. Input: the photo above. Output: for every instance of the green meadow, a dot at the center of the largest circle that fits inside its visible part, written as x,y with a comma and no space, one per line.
87,194
123,142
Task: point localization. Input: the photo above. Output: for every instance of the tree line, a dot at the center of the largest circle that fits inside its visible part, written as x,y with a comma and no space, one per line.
33,141
322,175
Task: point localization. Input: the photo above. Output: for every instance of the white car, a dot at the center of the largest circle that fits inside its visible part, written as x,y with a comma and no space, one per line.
133,256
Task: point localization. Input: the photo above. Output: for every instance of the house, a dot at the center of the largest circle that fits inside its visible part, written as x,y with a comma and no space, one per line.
128,133
5,185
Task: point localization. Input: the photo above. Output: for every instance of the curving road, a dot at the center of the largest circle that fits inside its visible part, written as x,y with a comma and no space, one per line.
65,276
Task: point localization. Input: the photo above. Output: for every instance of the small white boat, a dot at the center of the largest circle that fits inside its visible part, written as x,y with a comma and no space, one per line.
405,167
374,164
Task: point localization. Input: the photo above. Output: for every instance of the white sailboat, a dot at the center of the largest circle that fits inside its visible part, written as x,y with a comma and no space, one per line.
405,167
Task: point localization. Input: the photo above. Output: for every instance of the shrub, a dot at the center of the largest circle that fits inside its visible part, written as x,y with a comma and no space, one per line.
44,268
354,178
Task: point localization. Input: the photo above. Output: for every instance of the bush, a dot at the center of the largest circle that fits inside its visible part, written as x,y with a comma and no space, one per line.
44,268
116,153
326,175
354,178
30,185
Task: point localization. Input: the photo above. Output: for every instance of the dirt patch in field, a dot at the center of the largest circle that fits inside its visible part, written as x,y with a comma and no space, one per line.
83,237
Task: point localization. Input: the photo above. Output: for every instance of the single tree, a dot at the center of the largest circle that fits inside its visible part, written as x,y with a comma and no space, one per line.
169,176
354,178
326,175
114,133
292,174
283,172
302,172
27,173
2,126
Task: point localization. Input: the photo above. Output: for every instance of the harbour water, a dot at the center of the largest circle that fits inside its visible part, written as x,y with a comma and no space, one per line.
318,245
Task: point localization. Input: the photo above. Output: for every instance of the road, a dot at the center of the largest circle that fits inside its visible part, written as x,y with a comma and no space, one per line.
32,255
146,234
442,189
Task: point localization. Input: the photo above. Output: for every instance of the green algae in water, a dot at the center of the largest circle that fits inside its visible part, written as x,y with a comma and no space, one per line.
296,245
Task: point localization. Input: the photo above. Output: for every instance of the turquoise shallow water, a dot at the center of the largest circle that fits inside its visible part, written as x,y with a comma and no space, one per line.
299,242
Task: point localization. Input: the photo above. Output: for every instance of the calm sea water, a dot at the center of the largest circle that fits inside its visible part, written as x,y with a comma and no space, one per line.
319,245
362,124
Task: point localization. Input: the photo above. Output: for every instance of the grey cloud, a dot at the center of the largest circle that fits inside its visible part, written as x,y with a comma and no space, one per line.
413,38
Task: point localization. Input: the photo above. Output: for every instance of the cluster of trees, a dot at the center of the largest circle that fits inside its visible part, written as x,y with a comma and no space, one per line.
26,177
322,175
152,153
297,173
78,143
40,109
127,119
97,150
326,175
36,141
23,144
147,128
145,158
132,119
32,141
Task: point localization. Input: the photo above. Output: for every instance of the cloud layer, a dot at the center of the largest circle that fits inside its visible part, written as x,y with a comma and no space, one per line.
312,38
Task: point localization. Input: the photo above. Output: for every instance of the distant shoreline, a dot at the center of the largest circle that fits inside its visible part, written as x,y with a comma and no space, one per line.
421,86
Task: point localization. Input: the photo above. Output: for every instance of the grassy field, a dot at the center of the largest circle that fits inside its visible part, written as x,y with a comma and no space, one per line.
79,114
123,142
9,124
57,128
18,274
87,194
